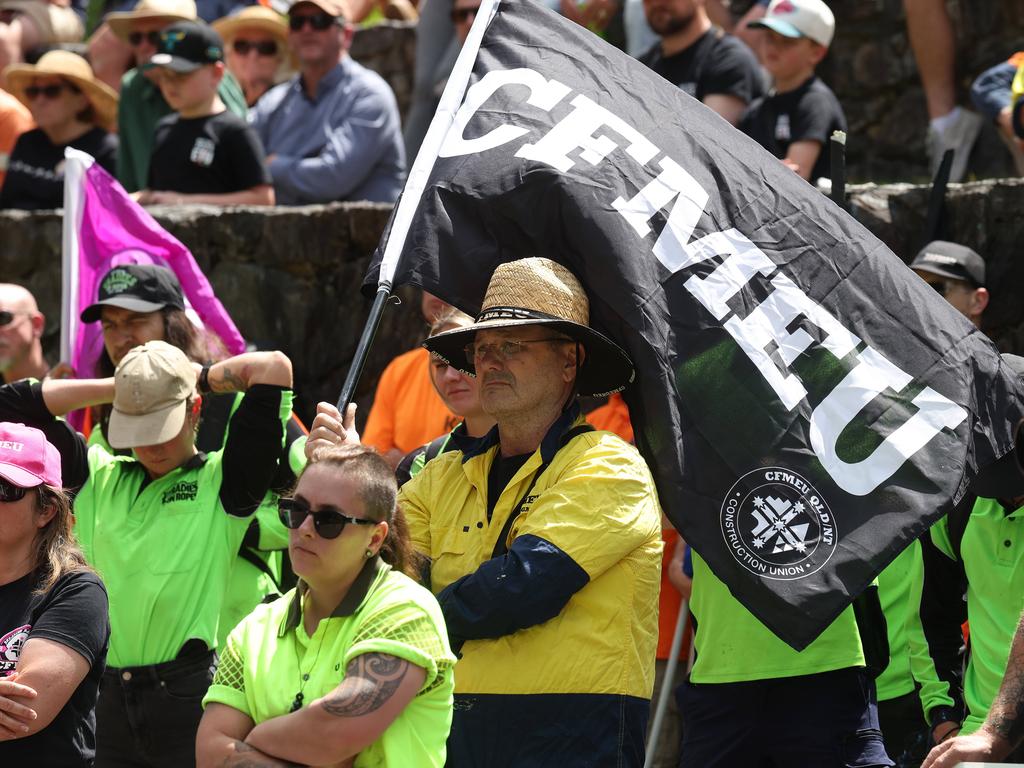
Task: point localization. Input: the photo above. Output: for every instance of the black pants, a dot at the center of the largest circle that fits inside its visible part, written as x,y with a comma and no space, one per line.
147,717
904,729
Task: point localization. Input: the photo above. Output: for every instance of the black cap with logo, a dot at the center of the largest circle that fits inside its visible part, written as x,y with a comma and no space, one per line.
952,260
136,287
188,45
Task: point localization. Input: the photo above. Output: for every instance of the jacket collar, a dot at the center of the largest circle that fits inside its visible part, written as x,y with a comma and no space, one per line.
472,447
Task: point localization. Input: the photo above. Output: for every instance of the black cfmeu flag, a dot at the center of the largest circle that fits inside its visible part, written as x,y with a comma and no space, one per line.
807,404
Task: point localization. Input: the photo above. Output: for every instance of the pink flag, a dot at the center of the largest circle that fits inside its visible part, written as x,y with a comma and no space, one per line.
104,227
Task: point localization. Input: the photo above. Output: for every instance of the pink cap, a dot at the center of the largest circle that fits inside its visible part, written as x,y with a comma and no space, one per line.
27,458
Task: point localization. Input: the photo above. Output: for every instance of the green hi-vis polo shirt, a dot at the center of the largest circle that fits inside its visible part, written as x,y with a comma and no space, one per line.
733,646
269,655
992,550
165,547
902,622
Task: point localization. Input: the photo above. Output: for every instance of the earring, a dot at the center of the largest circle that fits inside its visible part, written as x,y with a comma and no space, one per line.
369,554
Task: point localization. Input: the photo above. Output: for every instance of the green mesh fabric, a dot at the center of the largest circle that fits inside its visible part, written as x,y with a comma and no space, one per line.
230,672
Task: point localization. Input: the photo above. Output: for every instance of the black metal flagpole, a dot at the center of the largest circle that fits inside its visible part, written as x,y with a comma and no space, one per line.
355,370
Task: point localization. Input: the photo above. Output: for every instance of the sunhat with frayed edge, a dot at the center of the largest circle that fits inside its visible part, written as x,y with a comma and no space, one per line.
74,69
538,291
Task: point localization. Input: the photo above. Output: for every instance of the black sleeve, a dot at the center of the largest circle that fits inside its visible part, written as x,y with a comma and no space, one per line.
252,449
106,155
245,155
9,193
731,70
22,402
813,118
74,613
403,472
284,478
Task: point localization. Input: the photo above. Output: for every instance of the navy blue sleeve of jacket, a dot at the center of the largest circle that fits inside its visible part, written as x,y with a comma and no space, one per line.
527,586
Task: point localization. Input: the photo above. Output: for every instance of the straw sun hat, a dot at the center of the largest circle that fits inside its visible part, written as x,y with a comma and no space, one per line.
161,10
73,68
253,17
538,291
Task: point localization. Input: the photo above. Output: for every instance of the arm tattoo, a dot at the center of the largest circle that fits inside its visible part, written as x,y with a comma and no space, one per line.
229,381
247,756
1006,716
370,680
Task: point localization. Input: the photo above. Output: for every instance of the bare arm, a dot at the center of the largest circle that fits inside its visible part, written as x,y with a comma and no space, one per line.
802,156
238,373
376,688
262,194
676,576
54,671
729,107
220,740
65,395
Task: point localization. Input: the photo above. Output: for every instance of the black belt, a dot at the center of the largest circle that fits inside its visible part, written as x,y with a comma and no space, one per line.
193,655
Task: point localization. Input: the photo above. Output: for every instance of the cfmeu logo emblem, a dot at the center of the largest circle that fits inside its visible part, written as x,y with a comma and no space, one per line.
777,525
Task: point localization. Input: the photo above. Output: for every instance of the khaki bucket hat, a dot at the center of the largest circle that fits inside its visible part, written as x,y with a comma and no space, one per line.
152,386
74,69
537,291
163,10
253,17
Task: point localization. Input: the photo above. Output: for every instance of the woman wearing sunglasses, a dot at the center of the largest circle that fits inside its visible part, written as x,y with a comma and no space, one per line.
71,108
352,667
256,49
53,613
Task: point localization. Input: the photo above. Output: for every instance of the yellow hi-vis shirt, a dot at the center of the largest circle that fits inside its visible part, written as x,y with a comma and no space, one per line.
269,655
596,502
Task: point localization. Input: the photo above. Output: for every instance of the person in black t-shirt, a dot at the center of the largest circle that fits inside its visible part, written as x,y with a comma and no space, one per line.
71,108
700,58
796,119
202,153
53,613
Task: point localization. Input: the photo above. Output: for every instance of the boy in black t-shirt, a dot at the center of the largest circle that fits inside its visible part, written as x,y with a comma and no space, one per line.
202,153
797,117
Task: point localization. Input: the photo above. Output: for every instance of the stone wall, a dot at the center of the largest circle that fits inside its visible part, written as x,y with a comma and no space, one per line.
290,277
870,66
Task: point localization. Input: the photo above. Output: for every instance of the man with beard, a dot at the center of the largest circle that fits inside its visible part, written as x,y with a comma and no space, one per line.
700,58
21,328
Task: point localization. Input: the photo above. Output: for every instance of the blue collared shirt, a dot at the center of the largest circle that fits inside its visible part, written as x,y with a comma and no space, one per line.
345,144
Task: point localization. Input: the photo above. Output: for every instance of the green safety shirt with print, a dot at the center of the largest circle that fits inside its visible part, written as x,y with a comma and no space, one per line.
266,661
165,547
733,646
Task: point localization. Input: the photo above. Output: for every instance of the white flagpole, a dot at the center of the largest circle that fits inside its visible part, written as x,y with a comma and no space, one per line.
76,163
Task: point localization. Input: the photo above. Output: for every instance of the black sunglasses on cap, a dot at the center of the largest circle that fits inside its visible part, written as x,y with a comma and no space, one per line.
263,47
10,492
152,37
318,21
328,523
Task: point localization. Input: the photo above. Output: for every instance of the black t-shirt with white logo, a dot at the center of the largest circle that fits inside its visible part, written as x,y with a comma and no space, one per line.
206,155
808,113
716,64
73,613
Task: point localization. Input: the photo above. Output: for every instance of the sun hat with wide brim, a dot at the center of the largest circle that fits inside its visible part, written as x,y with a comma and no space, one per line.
537,291
73,68
160,10
253,17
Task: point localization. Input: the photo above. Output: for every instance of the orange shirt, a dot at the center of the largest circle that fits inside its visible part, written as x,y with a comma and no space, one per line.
407,412
668,603
15,119
614,417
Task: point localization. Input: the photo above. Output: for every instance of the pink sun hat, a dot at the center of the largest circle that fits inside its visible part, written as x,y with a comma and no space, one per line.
27,458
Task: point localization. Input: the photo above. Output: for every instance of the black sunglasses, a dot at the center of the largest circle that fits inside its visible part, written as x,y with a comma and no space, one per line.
328,523
462,14
136,38
263,48
11,492
318,21
51,91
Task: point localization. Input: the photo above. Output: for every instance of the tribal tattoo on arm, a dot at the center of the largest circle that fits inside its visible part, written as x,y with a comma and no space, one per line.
370,680
247,756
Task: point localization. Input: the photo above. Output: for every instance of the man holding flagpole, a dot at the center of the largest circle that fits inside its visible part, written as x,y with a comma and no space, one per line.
544,537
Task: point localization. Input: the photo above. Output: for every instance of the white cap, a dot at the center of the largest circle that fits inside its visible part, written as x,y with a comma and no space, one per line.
800,18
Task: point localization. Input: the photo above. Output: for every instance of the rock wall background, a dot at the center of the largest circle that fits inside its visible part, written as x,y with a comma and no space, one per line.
290,277
870,66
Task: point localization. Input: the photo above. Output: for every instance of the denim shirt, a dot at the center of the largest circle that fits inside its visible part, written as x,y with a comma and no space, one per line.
344,144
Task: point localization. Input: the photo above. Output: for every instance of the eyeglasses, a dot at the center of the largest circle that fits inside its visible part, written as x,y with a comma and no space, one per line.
460,15
503,350
7,317
318,21
10,492
51,91
328,523
262,48
152,37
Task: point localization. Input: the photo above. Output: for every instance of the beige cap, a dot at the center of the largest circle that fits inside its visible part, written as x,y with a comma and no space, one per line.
151,387
164,10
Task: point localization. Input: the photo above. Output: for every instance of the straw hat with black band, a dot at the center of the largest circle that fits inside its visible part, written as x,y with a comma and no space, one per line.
537,291
168,11
76,70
